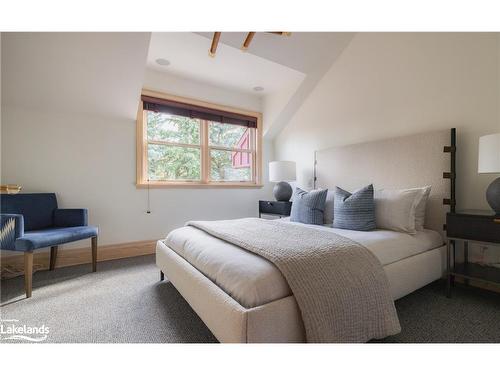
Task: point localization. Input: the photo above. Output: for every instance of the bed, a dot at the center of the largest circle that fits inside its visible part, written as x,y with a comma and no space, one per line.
243,297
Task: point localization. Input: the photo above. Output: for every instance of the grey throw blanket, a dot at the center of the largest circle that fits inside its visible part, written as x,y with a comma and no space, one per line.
340,286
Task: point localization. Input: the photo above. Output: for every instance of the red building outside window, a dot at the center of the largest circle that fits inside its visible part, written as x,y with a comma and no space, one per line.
242,159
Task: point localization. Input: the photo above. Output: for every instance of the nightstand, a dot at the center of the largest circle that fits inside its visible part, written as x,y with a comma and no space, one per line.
471,226
275,208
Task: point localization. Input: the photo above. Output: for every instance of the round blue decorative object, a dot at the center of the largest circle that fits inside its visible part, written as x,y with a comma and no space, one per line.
493,196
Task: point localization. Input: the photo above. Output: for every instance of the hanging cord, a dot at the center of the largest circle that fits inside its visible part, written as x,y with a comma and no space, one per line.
149,204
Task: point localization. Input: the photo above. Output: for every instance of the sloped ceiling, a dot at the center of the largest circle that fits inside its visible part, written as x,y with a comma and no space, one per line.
102,73
316,52
96,73
188,57
302,51
287,67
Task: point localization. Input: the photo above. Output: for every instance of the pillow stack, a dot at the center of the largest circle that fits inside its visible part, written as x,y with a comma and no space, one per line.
401,210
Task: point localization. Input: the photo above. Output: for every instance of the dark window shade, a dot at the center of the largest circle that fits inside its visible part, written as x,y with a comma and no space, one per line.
194,111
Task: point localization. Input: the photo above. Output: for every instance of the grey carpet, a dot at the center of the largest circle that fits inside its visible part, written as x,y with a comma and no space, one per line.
124,302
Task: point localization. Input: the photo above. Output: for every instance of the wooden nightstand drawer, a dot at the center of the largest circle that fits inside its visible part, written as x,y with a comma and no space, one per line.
275,208
473,227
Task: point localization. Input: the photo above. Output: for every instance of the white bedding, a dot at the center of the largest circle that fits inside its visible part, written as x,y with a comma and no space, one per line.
252,280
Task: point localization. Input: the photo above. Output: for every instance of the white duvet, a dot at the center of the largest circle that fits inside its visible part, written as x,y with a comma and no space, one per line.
252,280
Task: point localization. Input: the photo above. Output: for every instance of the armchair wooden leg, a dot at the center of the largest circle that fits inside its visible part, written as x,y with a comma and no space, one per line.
94,253
53,256
28,272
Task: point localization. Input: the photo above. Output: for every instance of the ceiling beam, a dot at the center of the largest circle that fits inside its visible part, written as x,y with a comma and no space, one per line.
282,33
247,41
215,42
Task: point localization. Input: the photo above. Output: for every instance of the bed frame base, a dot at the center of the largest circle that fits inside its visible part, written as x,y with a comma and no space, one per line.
278,321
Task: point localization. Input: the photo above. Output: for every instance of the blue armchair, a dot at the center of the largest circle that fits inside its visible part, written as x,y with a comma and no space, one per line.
33,221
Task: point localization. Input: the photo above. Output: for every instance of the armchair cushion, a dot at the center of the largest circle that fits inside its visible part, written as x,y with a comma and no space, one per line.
53,236
70,217
12,227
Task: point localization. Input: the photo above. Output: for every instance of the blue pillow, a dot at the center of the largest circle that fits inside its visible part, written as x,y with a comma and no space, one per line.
308,207
354,211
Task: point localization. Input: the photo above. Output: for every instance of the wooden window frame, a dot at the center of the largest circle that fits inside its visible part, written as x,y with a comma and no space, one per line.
142,148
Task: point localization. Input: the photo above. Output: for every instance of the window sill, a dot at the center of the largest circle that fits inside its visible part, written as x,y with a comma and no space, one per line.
196,185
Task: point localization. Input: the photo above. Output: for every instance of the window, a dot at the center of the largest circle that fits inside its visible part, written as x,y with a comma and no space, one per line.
183,142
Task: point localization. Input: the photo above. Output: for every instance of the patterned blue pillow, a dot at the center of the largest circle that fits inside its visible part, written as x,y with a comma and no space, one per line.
308,207
354,211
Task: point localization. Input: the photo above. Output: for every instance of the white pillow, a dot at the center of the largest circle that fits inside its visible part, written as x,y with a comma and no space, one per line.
420,209
395,209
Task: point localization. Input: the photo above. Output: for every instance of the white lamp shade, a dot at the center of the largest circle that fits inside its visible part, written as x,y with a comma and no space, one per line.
282,171
489,154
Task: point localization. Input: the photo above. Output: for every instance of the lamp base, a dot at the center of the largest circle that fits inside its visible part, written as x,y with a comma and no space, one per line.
493,196
282,191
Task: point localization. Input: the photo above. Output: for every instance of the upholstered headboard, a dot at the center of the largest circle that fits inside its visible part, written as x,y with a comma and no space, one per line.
404,162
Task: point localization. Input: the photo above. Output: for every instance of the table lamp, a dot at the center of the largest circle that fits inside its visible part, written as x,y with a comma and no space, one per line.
282,172
489,162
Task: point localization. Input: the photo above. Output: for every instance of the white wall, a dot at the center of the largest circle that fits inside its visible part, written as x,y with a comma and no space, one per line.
176,85
88,159
274,104
90,162
74,72
386,85
498,72
323,50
